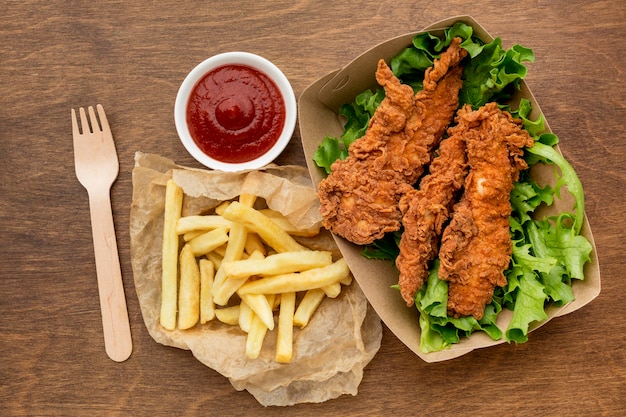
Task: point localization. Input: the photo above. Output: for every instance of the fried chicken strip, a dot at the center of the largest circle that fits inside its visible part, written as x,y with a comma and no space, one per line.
425,211
476,246
359,199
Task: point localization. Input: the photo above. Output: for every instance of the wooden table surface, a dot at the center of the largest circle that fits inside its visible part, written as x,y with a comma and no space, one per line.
131,57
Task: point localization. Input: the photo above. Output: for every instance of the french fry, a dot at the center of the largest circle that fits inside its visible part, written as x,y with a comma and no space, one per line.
221,250
222,294
207,242
189,292
245,316
234,251
169,255
267,230
276,302
254,244
284,223
207,306
209,222
228,315
262,309
193,234
256,334
220,208
347,280
309,303
332,290
284,338
300,281
215,258
247,199
280,263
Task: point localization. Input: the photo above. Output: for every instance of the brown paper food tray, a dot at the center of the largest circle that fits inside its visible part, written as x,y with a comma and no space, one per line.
318,117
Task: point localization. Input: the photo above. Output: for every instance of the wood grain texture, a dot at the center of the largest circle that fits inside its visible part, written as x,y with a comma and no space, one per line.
131,57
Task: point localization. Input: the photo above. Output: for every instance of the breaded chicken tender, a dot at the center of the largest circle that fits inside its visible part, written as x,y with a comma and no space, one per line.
359,200
476,246
426,211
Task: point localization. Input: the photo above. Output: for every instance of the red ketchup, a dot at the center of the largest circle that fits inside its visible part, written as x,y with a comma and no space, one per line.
235,113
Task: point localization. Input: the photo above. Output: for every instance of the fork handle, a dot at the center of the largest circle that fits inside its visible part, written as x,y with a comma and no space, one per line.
115,323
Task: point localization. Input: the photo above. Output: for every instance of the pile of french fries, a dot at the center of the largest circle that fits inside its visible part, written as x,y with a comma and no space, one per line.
242,266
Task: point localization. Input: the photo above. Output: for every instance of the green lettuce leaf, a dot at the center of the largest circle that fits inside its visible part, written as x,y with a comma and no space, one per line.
568,177
487,75
440,330
547,253
529,307
527,195
387,248
357,116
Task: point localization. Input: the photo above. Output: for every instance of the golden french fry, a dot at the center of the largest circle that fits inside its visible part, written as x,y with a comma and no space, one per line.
209,222
220,208
193,234
309,303
228,315
347,280
236,242
234,251
207,306
169,255
189,291
222,294
247,199
215,258
208,241
221,250
282,221
256,334
262,309
299,281
280,263
284,338
267,230
245,316
254,244
276,302
332,290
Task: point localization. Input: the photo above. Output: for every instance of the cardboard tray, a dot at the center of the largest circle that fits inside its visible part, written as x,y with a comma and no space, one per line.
318,117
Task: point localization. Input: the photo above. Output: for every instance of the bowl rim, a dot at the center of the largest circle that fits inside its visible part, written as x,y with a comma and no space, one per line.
235,58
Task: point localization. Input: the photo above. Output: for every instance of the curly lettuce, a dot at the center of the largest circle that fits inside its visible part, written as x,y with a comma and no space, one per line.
357,115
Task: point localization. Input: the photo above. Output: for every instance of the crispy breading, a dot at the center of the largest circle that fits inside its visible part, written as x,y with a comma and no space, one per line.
359,199
476,246
425,212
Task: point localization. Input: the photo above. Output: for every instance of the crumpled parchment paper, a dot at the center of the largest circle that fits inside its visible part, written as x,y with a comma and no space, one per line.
330,353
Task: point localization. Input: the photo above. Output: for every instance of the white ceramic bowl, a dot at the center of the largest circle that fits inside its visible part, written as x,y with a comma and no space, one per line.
235,58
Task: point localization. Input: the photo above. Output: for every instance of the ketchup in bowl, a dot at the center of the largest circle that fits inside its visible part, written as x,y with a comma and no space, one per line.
235,113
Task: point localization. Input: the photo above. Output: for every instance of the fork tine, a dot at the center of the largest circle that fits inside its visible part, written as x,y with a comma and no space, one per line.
83,121
95,127
75,130
104,123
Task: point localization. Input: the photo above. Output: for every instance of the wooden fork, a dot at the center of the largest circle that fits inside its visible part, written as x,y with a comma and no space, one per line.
97,168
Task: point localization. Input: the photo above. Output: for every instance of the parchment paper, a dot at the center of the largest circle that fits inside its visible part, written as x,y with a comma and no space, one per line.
330,353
